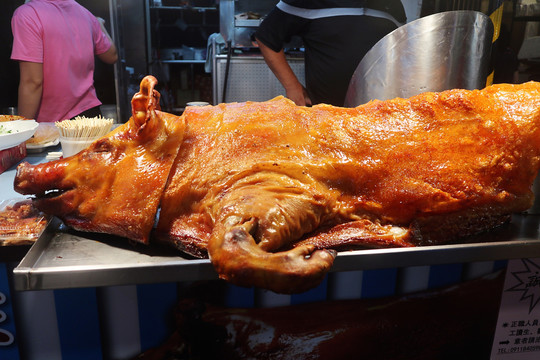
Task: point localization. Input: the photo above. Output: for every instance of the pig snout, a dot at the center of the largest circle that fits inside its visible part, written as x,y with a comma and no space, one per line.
39,179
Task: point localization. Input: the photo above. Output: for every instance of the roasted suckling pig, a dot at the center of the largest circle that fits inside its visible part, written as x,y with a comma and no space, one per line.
270,190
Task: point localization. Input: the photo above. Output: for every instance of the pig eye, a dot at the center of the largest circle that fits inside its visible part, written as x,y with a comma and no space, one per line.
103,145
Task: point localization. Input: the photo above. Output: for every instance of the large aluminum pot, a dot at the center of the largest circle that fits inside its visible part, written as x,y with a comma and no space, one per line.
434,53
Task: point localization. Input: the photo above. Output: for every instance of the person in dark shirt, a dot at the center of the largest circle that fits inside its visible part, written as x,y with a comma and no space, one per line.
336,35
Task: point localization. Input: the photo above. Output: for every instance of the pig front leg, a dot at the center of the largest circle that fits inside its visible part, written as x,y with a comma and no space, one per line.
237,259
251,241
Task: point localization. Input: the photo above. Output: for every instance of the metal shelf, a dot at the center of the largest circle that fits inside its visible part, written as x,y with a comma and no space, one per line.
186,7
527,18
64,259
182,61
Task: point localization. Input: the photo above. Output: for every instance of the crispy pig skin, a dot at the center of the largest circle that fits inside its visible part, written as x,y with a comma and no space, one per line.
269,189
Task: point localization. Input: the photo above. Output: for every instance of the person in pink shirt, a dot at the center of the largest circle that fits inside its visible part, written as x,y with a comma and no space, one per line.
55,42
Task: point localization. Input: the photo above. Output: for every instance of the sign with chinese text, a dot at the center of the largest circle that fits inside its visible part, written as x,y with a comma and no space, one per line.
517,335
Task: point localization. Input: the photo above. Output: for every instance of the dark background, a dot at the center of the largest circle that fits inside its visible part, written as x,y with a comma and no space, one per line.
505,61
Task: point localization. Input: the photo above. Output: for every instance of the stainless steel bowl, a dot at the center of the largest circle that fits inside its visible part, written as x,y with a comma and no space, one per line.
438,52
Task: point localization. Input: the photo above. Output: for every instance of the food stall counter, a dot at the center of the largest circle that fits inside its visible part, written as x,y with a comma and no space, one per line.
68,259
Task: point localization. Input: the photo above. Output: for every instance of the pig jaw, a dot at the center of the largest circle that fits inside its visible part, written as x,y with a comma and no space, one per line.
49,182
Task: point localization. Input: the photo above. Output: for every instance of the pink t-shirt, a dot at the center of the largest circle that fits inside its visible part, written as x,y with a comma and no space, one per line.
64,37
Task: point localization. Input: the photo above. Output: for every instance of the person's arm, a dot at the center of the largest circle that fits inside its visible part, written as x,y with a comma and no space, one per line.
110,56
277,62
30,88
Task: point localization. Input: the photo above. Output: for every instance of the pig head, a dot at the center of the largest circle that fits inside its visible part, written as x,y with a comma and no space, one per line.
113,186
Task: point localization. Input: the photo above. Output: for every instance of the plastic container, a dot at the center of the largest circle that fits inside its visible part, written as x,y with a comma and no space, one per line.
20,222
72,146
197,103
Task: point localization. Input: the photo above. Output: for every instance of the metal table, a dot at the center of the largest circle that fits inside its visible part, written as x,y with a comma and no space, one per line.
62,258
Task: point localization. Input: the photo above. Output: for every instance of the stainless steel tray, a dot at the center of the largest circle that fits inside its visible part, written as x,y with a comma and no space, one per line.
64,259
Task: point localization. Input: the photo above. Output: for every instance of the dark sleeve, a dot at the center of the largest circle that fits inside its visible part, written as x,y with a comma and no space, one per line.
277,29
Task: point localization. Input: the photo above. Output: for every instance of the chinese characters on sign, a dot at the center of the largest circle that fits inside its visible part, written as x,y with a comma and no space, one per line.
517,335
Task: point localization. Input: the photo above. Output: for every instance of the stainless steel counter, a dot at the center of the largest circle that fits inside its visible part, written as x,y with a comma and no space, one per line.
67,259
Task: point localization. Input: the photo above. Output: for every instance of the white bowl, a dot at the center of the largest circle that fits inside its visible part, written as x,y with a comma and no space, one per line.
20,131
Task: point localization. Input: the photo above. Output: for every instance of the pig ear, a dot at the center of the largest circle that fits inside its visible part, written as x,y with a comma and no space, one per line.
146,101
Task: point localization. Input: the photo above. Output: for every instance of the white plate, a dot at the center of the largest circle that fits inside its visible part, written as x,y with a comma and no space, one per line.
21,130
35,148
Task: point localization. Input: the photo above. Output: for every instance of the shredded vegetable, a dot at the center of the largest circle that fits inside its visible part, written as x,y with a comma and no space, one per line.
3,130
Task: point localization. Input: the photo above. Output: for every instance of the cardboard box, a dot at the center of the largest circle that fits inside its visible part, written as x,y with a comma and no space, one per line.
12,156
